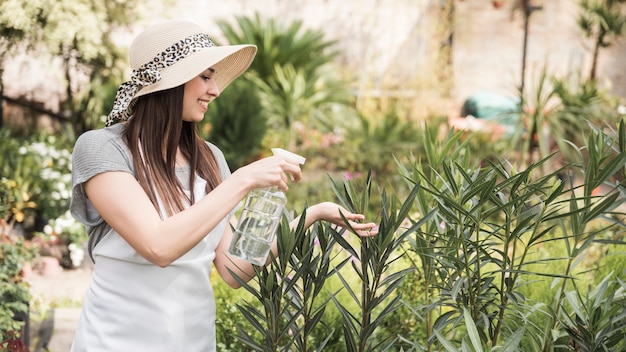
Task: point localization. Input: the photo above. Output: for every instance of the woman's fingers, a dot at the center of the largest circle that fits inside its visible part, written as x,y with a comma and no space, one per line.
271,171
338,215
364,229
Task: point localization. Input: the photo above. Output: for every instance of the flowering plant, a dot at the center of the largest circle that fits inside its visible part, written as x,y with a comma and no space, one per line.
41,166
14,291
65,231
50,175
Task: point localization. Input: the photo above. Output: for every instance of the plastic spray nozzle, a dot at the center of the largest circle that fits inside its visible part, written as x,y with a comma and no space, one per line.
298,158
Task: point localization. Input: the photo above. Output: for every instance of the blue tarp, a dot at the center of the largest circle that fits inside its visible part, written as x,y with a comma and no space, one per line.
494,107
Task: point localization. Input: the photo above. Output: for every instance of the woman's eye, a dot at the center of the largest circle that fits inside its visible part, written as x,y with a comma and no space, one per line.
205,77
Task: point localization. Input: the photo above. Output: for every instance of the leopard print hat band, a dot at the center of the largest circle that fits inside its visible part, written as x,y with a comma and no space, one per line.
191,53
149,73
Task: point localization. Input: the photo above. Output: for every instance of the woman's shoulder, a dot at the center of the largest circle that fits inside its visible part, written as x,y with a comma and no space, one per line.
220,159
103,138
215,149
104,143
98,136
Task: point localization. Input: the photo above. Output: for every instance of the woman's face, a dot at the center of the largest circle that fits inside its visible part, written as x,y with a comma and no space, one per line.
199,92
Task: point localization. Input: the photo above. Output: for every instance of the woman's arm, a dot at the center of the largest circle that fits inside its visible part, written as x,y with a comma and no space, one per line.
326,211
124,205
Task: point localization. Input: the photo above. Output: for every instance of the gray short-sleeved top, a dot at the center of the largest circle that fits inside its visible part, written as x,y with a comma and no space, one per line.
103,150
132,304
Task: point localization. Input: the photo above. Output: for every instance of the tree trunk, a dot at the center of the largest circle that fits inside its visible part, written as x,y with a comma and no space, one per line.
596,53
443,34
1,95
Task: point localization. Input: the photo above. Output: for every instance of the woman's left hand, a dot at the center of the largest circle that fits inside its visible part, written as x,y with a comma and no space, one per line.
331,212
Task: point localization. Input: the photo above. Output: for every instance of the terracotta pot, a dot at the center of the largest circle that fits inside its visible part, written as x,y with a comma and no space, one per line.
497,3
27,269
49,266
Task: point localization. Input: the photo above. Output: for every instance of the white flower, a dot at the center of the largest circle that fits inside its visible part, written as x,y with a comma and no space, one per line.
47,229
77,254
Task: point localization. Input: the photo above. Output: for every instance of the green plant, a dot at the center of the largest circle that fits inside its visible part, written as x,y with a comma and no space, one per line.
557,114
228,320
306,50
376,295
374,143
478,239
477,251
290,289
606,155
237,125
41,167
604,22
14,291
15,252
580,103
287,290
293,97
293,72
598,320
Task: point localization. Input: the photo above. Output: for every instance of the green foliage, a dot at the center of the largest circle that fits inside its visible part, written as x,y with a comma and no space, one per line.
604,21
289,291
40,167
598,320
14,291
477,256
580,102
375,143
14,253
78,33
293,72
372,263
602,16
306,50
292,289
478,251
228,320
292,96
237,124
557,114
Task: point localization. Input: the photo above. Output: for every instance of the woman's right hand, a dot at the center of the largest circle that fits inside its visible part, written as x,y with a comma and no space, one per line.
270,171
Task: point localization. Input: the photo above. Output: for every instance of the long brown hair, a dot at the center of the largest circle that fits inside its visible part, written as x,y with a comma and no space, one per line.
153,135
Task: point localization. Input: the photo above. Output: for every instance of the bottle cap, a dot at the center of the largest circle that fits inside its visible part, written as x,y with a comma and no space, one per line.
298,158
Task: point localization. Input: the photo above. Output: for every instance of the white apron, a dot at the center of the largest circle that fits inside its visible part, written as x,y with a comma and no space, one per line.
132,305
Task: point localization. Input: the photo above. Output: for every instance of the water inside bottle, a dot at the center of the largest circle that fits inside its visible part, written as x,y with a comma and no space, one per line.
250,248
255,231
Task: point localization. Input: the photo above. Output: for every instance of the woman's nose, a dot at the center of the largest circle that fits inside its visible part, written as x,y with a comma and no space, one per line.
213,89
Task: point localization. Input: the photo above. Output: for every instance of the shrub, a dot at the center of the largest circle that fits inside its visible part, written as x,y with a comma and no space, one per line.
475,240
41,166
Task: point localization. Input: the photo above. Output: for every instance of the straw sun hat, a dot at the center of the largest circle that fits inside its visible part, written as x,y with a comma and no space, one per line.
171,53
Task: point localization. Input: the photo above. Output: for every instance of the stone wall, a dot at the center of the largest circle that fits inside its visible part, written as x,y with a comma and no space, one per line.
389,45
489,44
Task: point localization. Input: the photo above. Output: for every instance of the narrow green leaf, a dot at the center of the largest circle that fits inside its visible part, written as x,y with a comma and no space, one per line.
472,331
449,346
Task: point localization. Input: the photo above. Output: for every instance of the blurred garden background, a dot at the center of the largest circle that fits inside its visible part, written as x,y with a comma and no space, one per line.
485,137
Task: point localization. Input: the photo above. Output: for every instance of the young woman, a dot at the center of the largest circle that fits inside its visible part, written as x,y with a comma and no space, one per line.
157,200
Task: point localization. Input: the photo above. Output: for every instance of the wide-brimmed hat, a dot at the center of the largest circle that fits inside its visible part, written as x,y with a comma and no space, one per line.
169,54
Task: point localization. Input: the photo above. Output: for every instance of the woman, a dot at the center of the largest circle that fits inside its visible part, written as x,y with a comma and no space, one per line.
157,199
